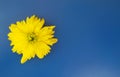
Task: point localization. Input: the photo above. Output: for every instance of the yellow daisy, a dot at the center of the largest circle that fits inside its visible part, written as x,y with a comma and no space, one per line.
30,38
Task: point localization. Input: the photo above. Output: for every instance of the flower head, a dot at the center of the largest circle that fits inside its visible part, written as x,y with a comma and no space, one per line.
31,38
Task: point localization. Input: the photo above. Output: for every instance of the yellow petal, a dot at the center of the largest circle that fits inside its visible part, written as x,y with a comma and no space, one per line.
42,50
39,25
51,41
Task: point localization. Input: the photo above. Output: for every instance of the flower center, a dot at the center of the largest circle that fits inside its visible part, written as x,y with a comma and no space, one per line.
31,37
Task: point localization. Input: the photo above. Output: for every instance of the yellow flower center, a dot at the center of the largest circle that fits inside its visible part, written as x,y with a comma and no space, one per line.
32,37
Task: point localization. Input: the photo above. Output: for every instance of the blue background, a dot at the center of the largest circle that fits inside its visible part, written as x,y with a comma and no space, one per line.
88,33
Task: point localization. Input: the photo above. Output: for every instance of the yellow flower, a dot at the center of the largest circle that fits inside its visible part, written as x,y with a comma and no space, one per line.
30,38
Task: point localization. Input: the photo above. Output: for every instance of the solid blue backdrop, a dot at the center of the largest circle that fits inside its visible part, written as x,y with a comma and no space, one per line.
88,33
